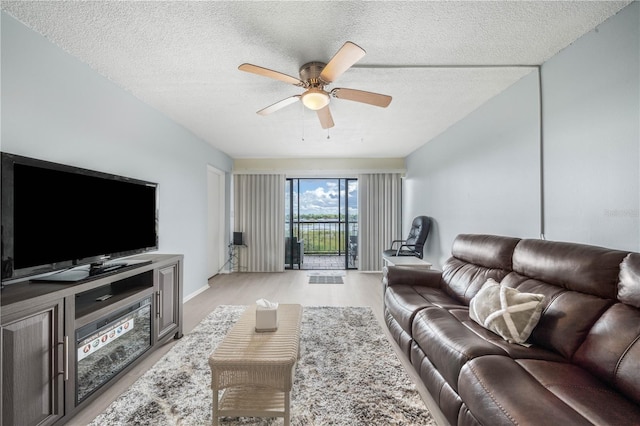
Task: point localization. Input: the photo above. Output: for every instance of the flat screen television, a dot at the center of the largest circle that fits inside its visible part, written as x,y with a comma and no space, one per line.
56,217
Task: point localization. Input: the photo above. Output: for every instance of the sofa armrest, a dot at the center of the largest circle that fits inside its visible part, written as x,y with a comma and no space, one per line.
411,275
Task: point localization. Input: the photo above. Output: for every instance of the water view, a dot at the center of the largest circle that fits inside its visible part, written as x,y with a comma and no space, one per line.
323,215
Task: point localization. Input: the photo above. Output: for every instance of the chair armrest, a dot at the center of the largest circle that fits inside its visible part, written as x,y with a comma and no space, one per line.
412,276
411,247
396,241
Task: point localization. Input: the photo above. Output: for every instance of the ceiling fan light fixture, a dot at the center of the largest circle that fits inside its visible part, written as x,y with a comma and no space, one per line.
315,98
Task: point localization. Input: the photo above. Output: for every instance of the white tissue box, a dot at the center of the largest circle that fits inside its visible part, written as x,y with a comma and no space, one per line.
266,319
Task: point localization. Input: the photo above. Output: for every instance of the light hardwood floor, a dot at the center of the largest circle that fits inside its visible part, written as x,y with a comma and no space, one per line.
359,289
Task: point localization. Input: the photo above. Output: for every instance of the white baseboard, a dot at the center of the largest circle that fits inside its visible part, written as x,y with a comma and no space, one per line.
224,270
195,293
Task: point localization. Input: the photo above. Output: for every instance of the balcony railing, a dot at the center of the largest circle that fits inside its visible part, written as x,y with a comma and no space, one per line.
325,237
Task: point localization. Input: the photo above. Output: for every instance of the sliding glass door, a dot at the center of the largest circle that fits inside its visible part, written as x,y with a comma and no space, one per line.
291,231
321,223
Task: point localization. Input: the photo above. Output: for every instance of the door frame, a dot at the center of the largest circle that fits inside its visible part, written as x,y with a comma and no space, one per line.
292,184
220,225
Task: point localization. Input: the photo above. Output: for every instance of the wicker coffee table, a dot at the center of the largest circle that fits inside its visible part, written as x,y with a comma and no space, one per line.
255,370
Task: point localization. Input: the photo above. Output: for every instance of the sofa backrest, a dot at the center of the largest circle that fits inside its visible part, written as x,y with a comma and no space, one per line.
579,283
578,267
592,298
611,349
476,258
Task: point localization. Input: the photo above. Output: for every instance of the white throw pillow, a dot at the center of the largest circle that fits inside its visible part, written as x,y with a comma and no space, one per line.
506,311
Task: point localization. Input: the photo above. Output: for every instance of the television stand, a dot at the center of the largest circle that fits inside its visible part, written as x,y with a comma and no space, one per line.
56,336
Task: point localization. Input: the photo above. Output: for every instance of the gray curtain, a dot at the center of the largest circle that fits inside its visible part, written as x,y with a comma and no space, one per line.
379,212
259,214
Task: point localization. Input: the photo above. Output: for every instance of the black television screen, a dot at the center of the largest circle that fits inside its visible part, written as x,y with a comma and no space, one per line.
56,216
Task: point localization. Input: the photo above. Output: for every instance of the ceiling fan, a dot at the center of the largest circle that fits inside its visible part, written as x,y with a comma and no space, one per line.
314,77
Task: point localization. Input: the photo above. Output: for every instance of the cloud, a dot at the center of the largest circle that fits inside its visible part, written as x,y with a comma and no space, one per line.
323,196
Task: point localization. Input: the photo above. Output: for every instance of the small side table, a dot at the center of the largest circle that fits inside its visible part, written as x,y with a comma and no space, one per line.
234,259
405,261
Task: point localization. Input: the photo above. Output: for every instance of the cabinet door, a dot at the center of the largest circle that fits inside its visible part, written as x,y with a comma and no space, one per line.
167,300
33,360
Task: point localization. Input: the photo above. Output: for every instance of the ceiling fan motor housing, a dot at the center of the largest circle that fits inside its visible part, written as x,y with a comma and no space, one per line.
310,74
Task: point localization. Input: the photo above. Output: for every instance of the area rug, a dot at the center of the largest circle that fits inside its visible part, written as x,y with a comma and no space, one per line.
348,374
325,279
334,273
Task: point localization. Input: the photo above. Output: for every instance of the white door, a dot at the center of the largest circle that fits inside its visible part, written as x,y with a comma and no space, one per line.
215,226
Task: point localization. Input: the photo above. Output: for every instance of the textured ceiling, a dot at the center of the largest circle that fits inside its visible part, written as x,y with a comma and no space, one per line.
181,57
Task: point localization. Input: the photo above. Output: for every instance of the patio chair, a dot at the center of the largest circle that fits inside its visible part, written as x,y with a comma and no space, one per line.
414,244
353,250
293,251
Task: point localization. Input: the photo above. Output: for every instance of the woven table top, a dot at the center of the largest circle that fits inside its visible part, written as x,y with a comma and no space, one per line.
243,345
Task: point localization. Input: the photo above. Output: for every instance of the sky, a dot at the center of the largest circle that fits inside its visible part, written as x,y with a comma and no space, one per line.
321,196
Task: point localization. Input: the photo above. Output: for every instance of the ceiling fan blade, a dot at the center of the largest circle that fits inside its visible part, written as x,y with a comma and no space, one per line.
278,105
344,58
370,98
326,120
265,72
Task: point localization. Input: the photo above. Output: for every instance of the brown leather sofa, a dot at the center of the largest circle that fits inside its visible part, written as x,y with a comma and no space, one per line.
581,363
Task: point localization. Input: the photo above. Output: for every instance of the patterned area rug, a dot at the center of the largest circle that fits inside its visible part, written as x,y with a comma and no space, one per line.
348,374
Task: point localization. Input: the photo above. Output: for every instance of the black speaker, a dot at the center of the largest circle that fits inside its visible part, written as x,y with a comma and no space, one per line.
237,238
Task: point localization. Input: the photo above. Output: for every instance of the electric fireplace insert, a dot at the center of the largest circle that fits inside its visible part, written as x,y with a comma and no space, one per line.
108,345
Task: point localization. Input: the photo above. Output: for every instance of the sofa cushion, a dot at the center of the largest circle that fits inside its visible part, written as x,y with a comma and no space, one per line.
463,280
447,399
566,320
611,350
578,267
406,291
403,302
399,335
506,311
629,285
513,350
583,392
476,258
437,297
448,343
591,272
411,276
491,251
498,391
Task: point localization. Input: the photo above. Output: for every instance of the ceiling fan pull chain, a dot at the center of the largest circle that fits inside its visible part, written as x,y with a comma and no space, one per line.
328,135
302,108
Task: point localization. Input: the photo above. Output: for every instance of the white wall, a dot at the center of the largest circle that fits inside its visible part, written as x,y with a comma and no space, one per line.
483,174
591,97
57,109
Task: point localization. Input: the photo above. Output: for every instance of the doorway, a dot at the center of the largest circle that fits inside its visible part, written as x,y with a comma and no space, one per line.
321,223
215,220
